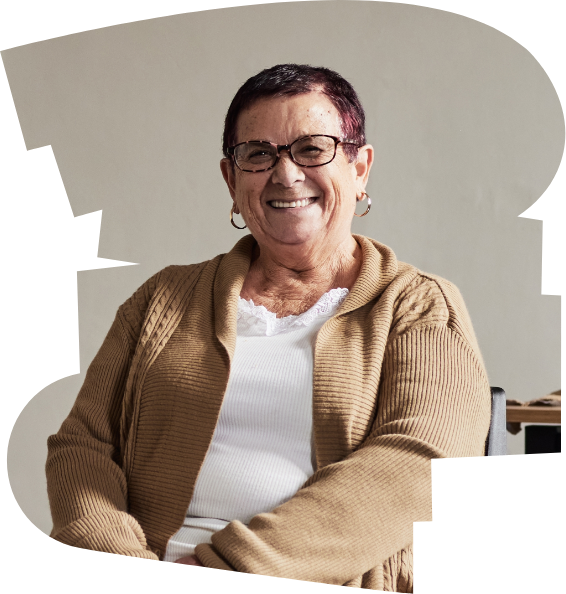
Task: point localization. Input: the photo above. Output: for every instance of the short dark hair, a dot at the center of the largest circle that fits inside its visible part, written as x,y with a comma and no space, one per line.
295,79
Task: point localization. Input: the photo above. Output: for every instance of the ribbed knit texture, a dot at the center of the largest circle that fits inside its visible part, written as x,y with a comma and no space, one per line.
398,379
261,451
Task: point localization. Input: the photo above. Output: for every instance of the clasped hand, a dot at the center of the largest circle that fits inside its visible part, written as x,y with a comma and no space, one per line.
190,560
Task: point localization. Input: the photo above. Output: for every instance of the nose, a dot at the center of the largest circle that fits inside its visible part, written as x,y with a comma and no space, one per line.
286,172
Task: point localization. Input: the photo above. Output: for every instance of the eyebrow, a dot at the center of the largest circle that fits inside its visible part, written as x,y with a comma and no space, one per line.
302,135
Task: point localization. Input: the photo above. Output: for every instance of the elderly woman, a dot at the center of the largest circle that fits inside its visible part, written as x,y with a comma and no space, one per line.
275,410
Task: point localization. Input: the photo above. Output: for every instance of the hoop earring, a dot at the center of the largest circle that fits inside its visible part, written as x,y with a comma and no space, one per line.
232,219
364,195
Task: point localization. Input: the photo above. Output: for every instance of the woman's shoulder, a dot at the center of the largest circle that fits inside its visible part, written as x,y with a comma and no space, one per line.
166,290
422,300
417,298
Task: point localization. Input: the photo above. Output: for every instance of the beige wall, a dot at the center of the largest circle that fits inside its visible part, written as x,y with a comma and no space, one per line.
468,132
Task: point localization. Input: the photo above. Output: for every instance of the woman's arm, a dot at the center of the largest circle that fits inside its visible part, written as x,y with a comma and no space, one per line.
86,485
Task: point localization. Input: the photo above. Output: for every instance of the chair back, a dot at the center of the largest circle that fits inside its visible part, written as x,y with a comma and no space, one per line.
496,442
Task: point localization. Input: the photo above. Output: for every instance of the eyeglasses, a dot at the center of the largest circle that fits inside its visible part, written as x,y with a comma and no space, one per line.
309,151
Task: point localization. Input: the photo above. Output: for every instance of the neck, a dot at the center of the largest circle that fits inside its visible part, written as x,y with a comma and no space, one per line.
296,270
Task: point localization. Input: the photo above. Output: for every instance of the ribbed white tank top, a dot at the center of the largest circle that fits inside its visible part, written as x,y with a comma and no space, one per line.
262,450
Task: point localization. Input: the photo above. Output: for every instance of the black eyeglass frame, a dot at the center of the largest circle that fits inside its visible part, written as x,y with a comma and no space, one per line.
287,147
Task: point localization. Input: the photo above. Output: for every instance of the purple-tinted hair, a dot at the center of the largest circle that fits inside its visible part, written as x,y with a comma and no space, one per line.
295,79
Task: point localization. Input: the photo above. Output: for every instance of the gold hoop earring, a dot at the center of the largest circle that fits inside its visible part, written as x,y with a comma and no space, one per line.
364,195
232,219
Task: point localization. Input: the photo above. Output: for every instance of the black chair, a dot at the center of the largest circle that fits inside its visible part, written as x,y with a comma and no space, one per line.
496,442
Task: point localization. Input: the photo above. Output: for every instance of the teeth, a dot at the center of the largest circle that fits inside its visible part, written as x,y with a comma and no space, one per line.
292,204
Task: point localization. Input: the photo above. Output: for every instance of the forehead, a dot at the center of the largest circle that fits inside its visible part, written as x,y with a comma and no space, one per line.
283,119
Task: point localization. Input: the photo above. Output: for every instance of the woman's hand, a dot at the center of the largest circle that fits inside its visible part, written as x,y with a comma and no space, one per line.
190,560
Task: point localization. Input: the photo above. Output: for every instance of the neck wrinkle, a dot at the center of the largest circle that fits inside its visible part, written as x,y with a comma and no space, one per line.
336,271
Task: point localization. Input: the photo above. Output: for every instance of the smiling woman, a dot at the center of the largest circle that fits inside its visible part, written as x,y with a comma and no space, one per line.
275,410
299,212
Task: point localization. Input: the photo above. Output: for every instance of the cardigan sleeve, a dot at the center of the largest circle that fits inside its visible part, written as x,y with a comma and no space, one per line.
352,515
86,486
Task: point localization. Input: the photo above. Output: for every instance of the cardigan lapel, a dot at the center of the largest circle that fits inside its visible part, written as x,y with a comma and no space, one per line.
182,395
379,268
164,313
351,345
227,287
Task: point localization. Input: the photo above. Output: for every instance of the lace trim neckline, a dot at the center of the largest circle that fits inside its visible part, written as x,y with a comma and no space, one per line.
250,314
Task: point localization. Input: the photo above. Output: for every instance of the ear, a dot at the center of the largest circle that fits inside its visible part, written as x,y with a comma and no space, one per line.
363,165
229,175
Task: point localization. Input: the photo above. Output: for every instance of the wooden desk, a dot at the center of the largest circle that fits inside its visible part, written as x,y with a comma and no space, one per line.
533,414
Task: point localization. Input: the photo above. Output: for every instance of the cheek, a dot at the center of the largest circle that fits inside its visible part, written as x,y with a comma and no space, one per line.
245,188
341,184
248,195
344,194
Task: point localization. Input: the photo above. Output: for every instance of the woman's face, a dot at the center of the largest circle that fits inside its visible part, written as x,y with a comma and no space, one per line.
329,190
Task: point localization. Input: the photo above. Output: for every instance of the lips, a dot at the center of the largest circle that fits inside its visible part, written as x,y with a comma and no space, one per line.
291,203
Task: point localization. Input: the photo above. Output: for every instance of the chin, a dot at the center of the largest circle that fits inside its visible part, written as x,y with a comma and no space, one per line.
297,236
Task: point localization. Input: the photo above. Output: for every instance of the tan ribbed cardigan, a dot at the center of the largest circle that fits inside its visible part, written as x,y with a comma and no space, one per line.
398,380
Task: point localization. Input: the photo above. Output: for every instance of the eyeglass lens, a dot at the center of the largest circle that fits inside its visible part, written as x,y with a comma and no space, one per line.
310,151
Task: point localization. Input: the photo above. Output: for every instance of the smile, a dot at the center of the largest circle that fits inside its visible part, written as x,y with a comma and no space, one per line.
291,204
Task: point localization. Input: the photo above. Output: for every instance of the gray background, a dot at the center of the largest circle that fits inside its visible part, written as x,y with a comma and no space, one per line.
468,133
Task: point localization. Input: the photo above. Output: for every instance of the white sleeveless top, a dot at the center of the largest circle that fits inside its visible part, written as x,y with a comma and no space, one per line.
262,448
